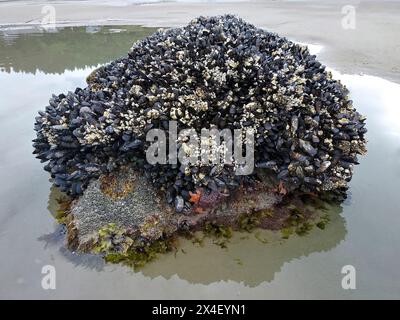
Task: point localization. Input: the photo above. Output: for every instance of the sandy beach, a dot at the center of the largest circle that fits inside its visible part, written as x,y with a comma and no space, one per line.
372,47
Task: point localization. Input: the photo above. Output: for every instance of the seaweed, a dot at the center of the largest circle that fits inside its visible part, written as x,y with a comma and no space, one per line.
119,246
257,235
238,261
64,209
248,222
218,231
286,232
221,233
324,220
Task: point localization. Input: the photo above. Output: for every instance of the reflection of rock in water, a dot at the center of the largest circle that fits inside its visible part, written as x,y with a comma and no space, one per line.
250,258
247,259
66,49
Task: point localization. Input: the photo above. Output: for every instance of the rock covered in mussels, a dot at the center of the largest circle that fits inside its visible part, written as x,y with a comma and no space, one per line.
217,72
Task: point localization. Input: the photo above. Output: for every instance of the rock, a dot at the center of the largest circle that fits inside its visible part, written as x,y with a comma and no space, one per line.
126,199
218,71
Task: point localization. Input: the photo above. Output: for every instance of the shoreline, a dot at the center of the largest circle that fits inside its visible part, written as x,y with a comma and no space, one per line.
371,48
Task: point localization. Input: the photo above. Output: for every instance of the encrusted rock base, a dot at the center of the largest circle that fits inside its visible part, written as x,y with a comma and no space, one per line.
122,213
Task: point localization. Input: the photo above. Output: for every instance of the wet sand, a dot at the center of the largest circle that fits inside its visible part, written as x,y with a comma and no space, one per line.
373,47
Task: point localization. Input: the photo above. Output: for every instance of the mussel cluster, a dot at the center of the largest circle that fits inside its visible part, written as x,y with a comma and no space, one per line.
218,72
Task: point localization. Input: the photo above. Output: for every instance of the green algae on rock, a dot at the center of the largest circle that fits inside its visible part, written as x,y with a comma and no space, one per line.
120,246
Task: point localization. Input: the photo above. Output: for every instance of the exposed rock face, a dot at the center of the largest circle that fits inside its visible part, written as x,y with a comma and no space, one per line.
126,199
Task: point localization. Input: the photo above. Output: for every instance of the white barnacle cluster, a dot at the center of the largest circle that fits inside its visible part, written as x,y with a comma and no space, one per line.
48,132
131,121
153,114
215,74
135,90
93,135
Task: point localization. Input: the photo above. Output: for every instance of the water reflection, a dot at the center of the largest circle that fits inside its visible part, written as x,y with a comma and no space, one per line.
35,49
250,258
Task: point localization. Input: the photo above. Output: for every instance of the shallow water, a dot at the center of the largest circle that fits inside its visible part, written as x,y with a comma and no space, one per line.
363,232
